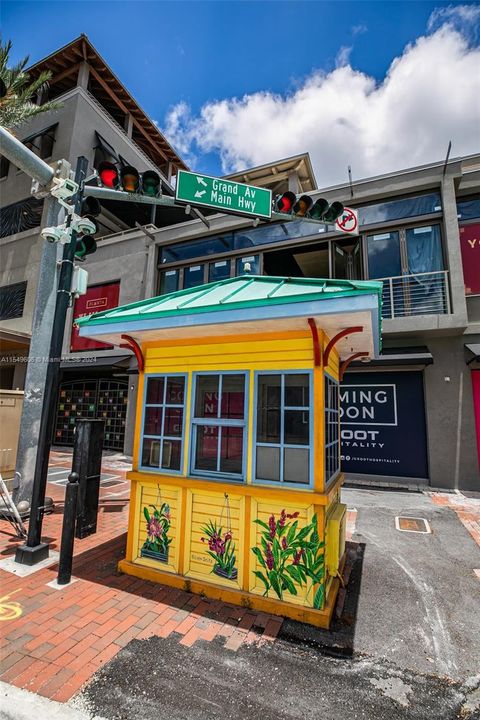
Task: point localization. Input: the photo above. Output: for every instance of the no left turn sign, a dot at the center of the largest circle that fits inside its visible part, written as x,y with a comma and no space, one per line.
348,221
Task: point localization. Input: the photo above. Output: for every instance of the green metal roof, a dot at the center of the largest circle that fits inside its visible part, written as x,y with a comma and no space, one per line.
246,291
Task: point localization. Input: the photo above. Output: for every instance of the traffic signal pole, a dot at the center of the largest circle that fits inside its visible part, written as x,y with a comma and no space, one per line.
34,551
43,313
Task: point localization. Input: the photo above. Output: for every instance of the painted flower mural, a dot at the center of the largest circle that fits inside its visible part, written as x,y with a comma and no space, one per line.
158,525
221,548
290,555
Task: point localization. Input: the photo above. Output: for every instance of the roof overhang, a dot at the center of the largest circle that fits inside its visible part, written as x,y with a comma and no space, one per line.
330,315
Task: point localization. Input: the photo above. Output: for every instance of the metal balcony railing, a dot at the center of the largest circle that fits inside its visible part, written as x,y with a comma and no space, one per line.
420,294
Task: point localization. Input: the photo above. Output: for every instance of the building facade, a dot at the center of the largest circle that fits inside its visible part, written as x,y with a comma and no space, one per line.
411,416
99,120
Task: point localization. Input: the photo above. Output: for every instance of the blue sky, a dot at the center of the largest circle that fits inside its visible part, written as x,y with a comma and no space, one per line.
193,56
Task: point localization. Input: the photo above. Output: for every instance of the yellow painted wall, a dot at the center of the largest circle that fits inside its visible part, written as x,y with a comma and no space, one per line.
194,501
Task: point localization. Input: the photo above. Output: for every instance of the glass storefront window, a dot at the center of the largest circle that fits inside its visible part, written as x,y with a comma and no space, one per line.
252,260
219,270
468,208
399,208
168,282
193,276
384,255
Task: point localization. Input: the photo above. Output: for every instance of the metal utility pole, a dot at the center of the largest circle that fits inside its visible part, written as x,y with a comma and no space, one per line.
34,551
43,313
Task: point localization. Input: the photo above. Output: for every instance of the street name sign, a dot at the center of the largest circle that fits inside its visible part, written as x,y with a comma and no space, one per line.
223,195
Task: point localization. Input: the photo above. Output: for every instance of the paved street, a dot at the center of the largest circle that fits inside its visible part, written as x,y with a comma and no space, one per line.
106,645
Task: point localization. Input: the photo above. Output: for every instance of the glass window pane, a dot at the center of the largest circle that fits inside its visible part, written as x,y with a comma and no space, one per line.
231,450
173,422
206,400
233,397
193,276
296,391
171,453
297,427
252,260
400,208
168,282
153,421
268,408
175,390
206,450
219,270
268,463
424,250
151,453
384,255
155,391
295,468
468,209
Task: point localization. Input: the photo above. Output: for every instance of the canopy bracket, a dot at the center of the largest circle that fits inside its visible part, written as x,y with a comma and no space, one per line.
132,344
336,338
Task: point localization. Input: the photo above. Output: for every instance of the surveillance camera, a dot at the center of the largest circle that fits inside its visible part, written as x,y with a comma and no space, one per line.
56,234
64,188
83,225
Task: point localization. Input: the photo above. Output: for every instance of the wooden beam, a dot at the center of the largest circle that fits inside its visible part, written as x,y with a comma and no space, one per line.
64,74
124,109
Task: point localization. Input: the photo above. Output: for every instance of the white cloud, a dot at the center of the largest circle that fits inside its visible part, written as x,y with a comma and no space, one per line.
431,94
343,56
359,29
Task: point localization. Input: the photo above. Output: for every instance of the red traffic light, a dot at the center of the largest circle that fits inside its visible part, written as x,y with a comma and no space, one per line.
130,178
285,202
108,174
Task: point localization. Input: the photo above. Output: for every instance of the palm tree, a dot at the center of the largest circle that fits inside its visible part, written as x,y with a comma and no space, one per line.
16,91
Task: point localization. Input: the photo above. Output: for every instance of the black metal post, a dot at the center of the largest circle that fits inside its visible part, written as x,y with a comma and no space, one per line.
87,462
68,530
34,551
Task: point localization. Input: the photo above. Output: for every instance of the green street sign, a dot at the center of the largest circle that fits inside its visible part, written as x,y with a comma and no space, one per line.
226,195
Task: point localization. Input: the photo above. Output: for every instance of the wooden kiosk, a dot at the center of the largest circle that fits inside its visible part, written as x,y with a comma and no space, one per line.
236,469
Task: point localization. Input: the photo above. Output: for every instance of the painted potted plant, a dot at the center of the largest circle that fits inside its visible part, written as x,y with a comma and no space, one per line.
158,525
289,555
221,549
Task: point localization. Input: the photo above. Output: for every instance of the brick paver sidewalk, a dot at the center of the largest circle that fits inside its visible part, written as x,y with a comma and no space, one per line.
466,508
63,636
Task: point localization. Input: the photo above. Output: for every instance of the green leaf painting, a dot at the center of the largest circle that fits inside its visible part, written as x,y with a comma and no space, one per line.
290,557
158,526
221,549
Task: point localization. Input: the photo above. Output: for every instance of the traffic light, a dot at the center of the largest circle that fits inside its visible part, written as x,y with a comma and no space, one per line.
302,206
285,202
108,175
324,212
151,183
87,227
130,178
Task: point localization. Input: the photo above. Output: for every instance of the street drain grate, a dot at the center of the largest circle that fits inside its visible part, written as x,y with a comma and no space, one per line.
412,524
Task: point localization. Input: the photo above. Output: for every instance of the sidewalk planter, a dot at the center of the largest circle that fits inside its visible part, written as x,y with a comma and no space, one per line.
236,473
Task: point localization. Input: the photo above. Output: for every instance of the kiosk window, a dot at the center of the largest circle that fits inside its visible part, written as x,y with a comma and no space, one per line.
283,428
332,435
163,422
218,425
